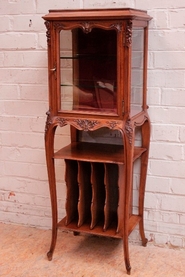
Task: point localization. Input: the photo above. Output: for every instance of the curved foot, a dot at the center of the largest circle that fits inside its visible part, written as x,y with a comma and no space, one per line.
50,255
128,267
75,233
144,243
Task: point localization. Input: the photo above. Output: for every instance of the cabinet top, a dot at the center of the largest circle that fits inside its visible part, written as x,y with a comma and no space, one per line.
97,14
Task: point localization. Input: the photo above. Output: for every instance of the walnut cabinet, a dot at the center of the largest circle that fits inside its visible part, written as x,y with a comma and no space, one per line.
97,75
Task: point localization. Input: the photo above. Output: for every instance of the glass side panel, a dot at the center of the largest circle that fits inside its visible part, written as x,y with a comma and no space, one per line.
88,63
137,70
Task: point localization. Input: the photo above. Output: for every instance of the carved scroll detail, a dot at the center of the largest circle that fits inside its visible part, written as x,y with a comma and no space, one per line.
129,131
48,33
128,33
117,26
61,121
49,121
142,121
58,25
86,125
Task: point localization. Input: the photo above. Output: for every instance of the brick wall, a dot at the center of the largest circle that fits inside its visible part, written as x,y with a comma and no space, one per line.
24,193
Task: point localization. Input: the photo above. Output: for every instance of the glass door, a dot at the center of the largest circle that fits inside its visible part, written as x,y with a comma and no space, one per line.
88,64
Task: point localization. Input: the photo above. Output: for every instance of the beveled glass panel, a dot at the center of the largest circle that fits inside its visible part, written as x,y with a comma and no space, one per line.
137,60
88,63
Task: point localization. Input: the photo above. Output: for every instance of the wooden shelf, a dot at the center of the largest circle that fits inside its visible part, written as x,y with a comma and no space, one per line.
98,229
96,152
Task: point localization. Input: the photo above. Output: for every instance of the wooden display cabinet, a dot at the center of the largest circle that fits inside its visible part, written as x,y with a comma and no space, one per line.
97,68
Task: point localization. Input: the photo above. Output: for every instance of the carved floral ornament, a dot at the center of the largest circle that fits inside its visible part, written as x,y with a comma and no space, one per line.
48,33
128,33
81,124
129,131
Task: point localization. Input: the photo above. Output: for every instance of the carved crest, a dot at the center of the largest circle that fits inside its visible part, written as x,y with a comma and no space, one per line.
85,124
87,27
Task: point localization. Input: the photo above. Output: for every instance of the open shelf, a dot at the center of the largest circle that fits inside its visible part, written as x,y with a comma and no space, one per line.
96,152
98,229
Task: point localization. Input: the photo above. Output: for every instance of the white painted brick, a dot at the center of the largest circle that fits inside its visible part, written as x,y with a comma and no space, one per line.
154,96
19,140
160,19
171,78
169,203
25,108
9,92
1,59
167,115
41,201
34,92
17,169
159,185
175,242
168,168
171,229
152,200
16,41
151,226
166,133
177,186
108,4
24,185
42,43
28,59
21,155
159,4
182,134
22,124
166,151
154,215
27,23
170,217
161,239
17,7
173,97
23,76
163,40
176,18
43,222
38,172
169,60
6,23
43,6
182,219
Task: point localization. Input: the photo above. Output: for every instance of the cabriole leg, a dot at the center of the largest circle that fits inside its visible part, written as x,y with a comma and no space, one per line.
144,163
49,148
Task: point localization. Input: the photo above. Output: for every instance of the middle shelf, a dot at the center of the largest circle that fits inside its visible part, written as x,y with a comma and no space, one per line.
96,152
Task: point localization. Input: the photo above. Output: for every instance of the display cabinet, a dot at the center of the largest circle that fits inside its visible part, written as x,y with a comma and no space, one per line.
97,72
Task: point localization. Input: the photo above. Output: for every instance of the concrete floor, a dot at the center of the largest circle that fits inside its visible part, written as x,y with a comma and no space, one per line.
23,254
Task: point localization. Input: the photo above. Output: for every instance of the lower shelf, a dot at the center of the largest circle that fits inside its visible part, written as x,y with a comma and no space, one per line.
98,229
